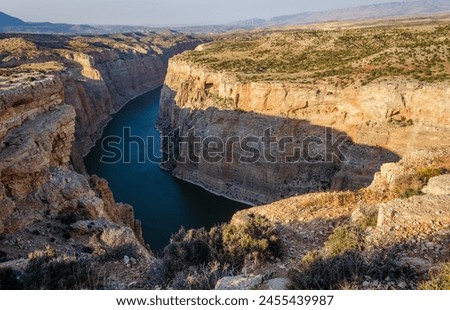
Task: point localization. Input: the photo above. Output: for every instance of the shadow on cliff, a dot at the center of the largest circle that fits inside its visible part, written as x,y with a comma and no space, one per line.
274,158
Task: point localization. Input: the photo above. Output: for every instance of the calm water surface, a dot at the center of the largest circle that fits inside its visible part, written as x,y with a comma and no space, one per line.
160,201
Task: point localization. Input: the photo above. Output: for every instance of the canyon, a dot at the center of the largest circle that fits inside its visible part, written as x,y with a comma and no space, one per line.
373,111
378,123
57,93
367,126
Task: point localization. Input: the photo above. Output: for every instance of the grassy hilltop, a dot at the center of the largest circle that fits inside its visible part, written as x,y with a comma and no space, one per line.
343,57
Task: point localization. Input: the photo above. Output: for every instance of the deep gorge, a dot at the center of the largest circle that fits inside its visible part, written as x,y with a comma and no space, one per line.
60,96
161,202
49,121
196,97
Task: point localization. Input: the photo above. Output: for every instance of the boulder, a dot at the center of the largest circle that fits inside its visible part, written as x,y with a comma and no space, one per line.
241,282
439,185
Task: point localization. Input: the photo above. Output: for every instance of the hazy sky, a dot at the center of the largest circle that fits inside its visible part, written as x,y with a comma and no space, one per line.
157,12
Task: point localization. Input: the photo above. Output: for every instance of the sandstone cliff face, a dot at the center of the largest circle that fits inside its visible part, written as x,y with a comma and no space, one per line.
38,187
48,122
37,134
375,114
382,120
107,80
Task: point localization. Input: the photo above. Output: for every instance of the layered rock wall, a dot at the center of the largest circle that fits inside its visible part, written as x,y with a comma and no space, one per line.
106,81
48,122
381,120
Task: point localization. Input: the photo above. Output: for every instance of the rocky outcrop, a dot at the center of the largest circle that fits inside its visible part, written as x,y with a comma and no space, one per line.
38,187
438,185
48,122
414,231
250,282
381,122
401,219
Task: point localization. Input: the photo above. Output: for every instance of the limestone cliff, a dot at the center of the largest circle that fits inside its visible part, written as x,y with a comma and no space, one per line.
106,81
369,114
387,95
48,120
381,120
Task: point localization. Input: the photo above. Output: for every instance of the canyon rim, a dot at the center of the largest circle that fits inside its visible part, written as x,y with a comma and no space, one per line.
336,134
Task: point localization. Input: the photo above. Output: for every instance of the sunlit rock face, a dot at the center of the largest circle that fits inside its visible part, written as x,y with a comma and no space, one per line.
381,121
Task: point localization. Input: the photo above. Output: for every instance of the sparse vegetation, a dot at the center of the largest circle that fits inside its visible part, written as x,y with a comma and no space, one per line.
349,270
197,259
338,57
426,173
343,239
402,122
368,221
47,270
410,192
412,184
329,273
256,240
439,281
200,278
60,273
26,58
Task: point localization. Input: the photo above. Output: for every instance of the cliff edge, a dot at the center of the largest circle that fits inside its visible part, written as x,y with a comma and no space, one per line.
331,113
56,95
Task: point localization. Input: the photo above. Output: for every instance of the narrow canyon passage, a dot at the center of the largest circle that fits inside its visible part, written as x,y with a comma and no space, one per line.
162,202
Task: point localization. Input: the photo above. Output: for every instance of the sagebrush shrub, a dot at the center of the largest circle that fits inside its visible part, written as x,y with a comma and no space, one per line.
197,258
256,239
343,239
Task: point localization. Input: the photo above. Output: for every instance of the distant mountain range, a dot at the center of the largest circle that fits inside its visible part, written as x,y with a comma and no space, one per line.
394,9
9,21
12,24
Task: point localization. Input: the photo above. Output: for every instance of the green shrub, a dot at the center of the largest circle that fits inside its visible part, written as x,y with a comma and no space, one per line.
426,173
200,278
194,259
368,221
197,259
343,239
411,185
384,264
256,239
60,275
186,249
409,192
310,258
329,273
45,270
349,270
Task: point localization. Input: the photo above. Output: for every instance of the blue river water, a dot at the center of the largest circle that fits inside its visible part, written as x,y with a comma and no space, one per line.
162,202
